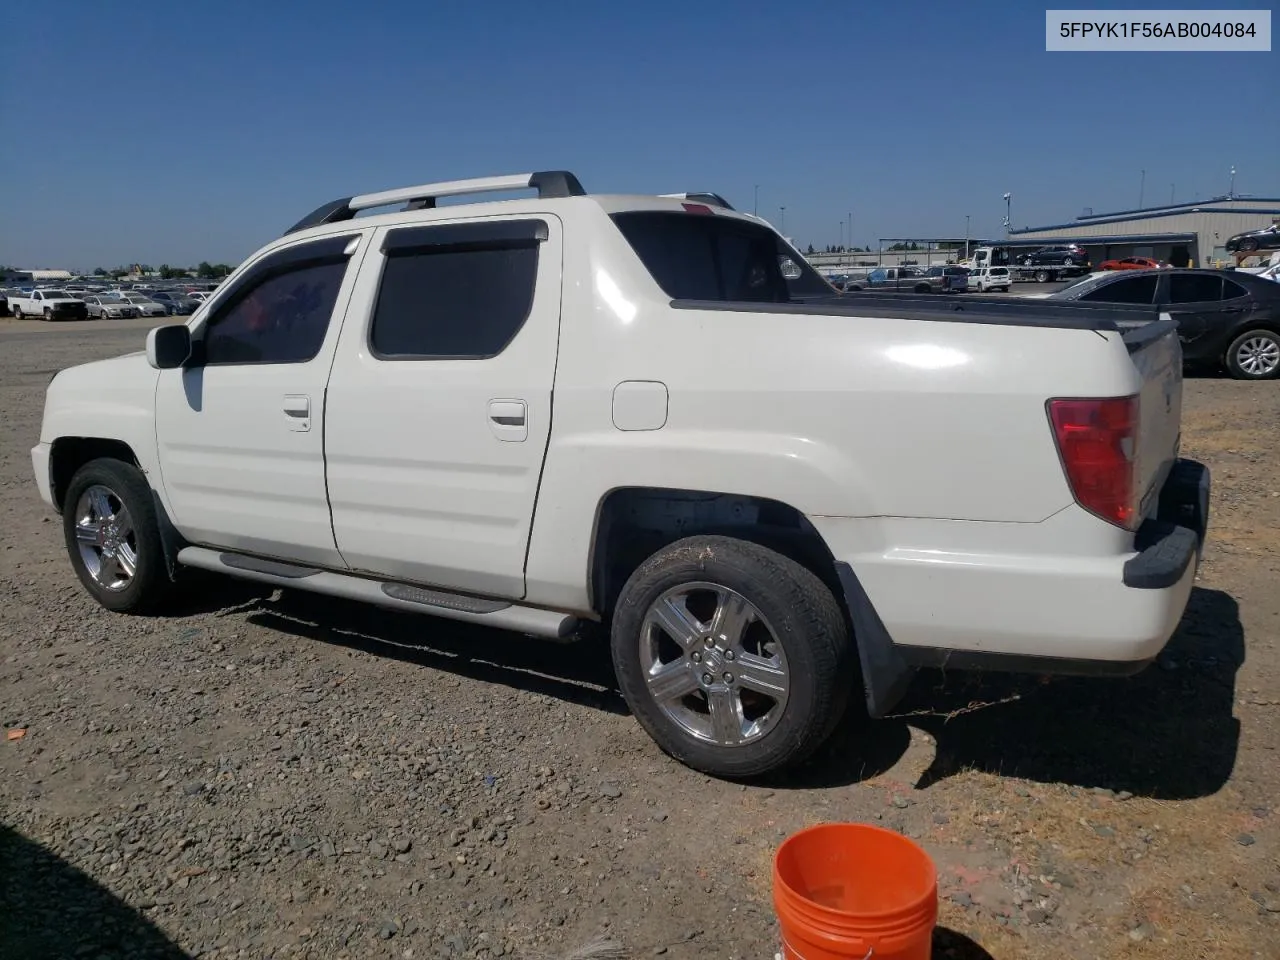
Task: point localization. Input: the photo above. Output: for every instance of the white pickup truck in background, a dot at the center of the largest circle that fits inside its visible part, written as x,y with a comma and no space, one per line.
770,494
49,304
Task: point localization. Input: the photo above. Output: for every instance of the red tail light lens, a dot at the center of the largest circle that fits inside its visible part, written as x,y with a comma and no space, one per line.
1098,443
698,208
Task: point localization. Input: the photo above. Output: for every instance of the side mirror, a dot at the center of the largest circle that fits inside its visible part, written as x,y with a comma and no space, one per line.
169,347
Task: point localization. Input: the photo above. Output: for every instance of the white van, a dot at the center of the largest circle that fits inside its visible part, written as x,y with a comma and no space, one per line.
983,279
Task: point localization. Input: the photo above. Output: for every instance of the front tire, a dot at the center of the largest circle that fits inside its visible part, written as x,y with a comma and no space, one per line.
734,658
1254,355
1042,276
113,537
48,314
17,313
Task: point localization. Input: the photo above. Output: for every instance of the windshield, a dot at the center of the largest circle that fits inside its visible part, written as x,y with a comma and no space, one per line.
56,295
709,257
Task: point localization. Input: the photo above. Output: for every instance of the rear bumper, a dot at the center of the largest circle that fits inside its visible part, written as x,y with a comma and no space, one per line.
1023,597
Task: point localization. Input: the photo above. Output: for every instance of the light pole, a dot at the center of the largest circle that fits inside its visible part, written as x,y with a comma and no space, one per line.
850,235
1008,214
1231,191
966,236
755,202
782,220
840,249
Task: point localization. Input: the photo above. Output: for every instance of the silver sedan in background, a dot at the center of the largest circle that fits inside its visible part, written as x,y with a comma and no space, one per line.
103,308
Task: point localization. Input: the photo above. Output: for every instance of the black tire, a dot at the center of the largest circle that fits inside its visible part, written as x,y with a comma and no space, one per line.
922,288
1248,245
149,585
800,614
1068,262
1268,340
1042,276
48,314
17,313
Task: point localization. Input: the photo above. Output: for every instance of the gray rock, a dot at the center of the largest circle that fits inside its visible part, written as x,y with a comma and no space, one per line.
610,790
962,899
388,929
192,788
402,844
1246,840
1103,831
1037,915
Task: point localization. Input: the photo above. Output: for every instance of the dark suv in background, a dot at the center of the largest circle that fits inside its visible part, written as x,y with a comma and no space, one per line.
1070,255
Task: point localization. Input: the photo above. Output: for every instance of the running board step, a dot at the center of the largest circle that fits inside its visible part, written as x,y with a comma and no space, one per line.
397,596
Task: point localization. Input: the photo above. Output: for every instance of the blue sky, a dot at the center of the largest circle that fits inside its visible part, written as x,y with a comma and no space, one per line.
176,132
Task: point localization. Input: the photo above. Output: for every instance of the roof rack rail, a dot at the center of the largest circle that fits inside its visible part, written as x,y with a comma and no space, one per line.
548,183
713,198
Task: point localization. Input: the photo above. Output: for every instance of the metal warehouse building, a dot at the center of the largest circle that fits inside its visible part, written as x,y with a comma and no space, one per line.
1183,234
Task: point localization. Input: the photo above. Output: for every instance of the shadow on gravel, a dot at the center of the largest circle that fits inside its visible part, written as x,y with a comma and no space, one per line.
1167,733
578,673
52,910
950,945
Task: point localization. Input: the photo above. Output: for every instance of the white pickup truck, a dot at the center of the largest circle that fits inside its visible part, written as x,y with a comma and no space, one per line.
647,413
49,304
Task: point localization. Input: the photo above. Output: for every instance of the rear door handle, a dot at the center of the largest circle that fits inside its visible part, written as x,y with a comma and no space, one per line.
509,419
297,411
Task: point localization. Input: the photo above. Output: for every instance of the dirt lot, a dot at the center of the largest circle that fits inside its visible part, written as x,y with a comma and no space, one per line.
278,775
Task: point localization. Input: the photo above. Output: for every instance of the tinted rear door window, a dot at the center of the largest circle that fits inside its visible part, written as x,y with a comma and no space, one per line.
707,257
445,302
1194,288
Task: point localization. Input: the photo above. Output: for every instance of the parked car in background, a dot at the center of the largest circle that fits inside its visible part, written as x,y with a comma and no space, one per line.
1133,263
1232,319
947,279
176,303
983,279
49,304
892,279
1070,255
103,308
145,305
1268,238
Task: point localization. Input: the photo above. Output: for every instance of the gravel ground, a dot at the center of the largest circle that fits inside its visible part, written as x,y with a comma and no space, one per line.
269,774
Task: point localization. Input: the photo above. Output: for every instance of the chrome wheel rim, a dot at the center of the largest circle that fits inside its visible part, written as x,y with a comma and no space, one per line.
1258,356
106,539
713,664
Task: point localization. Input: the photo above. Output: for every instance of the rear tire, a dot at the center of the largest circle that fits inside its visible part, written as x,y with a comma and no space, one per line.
735,659
17,313
1248,245
1254,355
113,537
1042,276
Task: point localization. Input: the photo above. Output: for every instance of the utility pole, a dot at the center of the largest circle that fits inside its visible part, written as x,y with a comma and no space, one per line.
782,220
851,234
1142,189
1008,214
840,249
966,236
755,203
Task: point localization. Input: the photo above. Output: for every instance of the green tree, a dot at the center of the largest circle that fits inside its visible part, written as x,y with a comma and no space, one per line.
118,272
99,272
205,270
809,253
222,269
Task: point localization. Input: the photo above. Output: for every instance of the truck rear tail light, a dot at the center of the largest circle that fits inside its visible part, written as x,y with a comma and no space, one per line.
1098,440
698,208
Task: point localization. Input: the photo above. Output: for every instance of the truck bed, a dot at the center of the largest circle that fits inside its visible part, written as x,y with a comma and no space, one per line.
1005,311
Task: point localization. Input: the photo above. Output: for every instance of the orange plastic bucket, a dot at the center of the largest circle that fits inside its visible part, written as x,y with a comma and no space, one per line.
851,890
